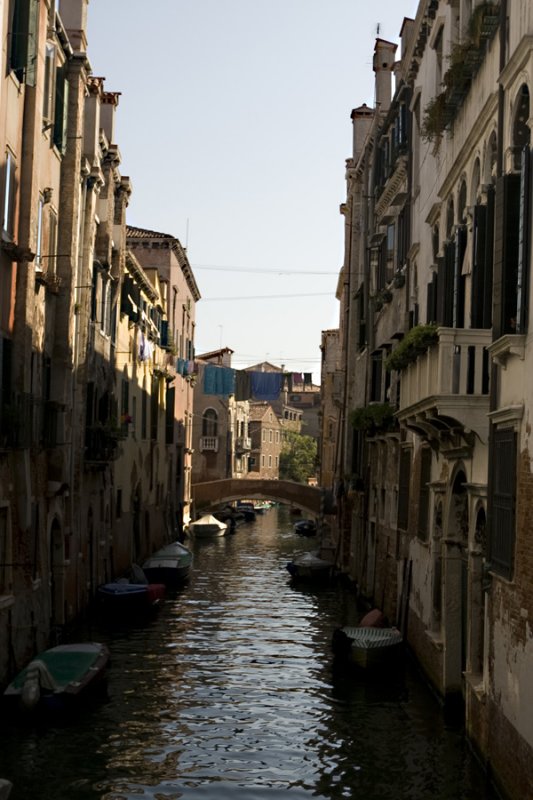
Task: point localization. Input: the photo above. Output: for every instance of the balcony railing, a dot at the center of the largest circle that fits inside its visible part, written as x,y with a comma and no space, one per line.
101,444
450,381
209,443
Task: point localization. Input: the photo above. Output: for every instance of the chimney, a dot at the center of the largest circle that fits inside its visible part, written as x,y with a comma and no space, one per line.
107,114
73,15
384,53
361,120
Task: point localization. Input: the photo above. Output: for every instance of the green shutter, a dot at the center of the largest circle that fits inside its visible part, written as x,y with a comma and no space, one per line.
61,110
23,43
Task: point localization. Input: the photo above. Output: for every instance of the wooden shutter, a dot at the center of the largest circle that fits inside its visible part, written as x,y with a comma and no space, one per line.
445,285
502,501
506,234
523,243
23,40
169,416
404,483
478,265
458,313
61,110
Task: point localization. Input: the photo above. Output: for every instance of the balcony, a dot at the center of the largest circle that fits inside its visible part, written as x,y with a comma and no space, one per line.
209,444
243,444
101,445
444,393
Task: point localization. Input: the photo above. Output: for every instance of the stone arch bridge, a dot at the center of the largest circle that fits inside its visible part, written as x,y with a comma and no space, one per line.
311,499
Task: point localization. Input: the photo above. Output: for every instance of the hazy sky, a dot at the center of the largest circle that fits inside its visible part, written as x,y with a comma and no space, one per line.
234,126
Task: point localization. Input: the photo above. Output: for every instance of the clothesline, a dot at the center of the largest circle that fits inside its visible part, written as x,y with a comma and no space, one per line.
250,385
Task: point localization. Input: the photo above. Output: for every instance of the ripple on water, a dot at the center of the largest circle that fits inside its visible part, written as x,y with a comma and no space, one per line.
230,692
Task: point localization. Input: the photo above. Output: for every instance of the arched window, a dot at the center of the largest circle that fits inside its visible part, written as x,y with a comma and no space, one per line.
209,422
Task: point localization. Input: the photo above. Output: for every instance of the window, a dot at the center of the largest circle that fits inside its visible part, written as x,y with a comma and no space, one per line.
270,436
270,461
210,422
169,415
49,84
277,461
423,505
144,406
8,218
262,461
404,482
51,264
39,240
60,110
501,514
23,40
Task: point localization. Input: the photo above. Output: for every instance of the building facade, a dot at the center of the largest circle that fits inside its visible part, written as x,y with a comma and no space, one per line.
95,415
220,439
433,447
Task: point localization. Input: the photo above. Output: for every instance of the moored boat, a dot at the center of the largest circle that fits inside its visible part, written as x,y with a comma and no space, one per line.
54,679
207,526
305,527
310,567
170,565
248,509
123,597
368,647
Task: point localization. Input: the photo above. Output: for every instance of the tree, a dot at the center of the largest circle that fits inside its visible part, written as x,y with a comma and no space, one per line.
298,457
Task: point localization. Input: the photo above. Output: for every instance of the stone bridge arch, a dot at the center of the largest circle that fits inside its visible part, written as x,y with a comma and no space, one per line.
310,499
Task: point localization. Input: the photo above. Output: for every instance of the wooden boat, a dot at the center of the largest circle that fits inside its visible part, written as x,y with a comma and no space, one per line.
368,647
123,597
246,508
261,506
305,527
169,565
310,567
207,526
59,676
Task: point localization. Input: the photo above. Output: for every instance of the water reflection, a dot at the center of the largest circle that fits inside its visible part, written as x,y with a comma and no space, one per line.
231,692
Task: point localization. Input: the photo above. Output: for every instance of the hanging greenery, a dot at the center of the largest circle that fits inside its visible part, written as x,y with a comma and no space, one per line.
464,61
414,343
373,418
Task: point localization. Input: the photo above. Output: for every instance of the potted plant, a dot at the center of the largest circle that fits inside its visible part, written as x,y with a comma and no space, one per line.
415,343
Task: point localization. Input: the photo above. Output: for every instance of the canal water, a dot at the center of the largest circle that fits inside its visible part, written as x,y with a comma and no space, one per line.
230,691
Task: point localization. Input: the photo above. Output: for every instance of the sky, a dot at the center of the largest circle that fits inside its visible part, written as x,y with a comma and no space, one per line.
234,126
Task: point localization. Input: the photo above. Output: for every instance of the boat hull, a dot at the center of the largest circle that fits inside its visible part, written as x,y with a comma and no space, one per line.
207,527
170,565
124,598
310,567
369,648
57,679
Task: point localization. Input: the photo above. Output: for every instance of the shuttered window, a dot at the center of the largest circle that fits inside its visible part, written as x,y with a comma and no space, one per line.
502,501
506,237
169,415
523,243
61,110
423,505
458,314
23,40
404,482
445,286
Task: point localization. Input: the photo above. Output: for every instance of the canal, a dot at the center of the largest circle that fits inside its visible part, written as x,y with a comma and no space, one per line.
230,692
